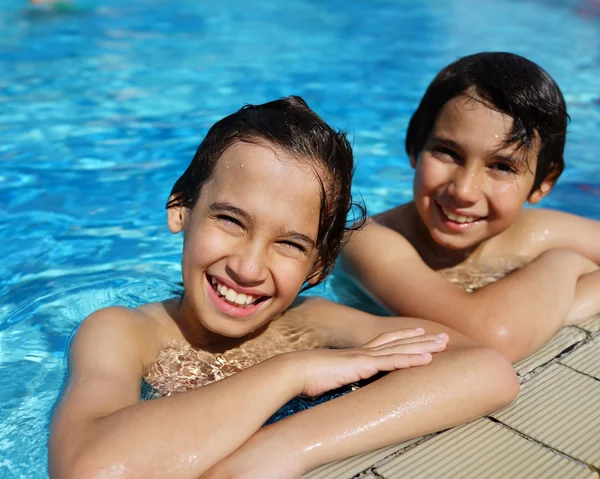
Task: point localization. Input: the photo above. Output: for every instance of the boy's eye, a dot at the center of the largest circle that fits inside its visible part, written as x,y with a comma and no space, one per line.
503,167
443,151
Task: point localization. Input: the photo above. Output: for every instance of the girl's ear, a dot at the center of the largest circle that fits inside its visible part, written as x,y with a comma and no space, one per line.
176,217
544,189
315,273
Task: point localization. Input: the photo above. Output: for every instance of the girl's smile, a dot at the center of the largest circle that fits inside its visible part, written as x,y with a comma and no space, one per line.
249,241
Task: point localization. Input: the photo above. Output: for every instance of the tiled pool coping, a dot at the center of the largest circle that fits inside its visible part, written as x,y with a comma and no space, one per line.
552,429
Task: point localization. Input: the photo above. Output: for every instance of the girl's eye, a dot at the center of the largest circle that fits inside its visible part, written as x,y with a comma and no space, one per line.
293,246
229,220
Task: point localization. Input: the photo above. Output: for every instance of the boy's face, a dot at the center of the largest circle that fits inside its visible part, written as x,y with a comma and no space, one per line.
249,242
468,185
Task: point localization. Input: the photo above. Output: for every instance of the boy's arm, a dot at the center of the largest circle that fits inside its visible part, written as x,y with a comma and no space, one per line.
464,382
516,314
556,229
101,429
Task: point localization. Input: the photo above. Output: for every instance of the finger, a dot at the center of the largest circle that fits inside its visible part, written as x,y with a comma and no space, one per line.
393,362
414,348
394,336
438,338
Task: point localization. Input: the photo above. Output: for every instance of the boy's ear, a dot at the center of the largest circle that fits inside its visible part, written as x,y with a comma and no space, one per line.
413,160
176,216
544,189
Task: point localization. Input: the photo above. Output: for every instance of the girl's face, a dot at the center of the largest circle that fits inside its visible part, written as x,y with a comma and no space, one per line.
469,186
249,242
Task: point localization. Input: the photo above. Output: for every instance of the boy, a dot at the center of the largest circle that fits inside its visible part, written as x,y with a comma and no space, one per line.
488,137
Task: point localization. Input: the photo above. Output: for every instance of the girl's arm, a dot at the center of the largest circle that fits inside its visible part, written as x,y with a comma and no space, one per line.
516,314
102,430
464,382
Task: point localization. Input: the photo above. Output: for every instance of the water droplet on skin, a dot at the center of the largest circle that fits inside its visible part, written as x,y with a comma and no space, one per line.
242,165
312,212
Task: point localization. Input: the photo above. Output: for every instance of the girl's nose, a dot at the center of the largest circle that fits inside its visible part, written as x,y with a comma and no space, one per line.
247,265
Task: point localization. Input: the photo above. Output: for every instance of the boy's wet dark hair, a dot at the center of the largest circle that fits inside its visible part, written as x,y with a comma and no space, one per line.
290,125
509,84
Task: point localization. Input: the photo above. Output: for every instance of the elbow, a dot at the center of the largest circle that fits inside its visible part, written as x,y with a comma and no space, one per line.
88,465
502,382
512,342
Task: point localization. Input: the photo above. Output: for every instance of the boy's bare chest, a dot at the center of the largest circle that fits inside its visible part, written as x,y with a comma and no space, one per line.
477,273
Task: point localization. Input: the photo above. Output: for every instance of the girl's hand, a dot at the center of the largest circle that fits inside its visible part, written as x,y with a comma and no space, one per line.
327,369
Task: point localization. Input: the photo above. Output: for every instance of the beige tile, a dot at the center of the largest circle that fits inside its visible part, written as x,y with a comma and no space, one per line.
482,449
351,467
585,359
562,340
559,407
592,325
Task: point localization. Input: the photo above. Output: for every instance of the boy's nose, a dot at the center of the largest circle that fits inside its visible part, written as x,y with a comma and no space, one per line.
247,266
467,185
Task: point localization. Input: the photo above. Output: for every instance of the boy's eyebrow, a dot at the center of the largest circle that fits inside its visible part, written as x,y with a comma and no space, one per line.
446,142
225,207
457,146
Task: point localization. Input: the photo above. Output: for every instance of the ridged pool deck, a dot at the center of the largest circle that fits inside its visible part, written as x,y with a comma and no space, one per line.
552,429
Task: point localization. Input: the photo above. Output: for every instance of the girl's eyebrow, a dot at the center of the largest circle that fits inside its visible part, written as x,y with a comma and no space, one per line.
225,207
301,238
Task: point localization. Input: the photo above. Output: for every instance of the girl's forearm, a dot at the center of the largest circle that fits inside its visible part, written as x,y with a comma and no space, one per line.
185,434
458,386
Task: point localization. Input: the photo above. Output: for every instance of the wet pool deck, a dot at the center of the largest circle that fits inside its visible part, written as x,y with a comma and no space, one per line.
552,429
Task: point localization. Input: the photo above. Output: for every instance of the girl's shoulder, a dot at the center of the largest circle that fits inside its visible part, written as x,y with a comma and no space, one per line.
144,329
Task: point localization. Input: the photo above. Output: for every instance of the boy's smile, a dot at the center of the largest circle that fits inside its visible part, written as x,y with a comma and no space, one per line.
469,185
249,242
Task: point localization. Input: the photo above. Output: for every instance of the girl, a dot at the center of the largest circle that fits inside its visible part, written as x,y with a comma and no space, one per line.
262,208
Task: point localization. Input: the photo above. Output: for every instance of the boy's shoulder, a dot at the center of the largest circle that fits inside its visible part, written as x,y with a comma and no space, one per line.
537,230
399,218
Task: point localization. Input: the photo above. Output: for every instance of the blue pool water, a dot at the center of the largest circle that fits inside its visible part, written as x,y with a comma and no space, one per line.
102,108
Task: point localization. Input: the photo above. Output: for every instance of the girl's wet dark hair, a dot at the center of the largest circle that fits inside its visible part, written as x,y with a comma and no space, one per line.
509,84
290,125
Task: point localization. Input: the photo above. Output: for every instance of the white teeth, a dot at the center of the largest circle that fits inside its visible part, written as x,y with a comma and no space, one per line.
458,218
240,299
231,295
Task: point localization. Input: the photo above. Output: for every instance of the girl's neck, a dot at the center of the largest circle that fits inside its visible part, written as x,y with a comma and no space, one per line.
194,332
